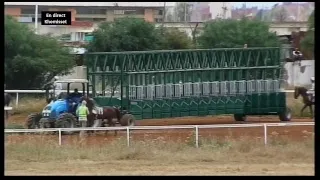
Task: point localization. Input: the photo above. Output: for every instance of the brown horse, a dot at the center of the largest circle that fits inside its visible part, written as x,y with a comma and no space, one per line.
305,98
108,113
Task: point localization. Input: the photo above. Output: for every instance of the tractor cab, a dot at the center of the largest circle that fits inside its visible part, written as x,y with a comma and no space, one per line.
50,94
66,102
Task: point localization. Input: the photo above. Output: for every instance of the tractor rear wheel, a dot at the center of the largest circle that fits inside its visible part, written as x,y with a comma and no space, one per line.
127,120
66,120
285,115
240,117
32,121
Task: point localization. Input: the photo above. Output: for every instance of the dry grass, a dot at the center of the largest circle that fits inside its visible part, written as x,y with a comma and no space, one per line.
220,157
28,105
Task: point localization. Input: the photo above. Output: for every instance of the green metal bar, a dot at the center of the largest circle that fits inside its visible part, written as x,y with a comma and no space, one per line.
184,50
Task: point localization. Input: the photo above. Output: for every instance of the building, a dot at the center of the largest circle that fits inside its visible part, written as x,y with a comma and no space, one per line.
205,11
239,13
94,12
200,11
220,10
85,15
295,11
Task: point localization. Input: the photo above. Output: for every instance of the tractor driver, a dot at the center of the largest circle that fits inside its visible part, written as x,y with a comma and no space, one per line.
73,98
75,93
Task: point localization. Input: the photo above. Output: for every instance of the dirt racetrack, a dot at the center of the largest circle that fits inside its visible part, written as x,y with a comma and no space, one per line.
184,135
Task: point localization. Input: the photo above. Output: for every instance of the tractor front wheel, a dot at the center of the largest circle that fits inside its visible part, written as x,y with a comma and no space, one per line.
32,121
240,117
285,115
66,120
127,120
45,123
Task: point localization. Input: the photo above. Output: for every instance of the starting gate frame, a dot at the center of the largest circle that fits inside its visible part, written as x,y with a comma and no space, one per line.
172,83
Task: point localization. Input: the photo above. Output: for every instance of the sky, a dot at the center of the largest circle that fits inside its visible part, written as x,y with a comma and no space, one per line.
252,4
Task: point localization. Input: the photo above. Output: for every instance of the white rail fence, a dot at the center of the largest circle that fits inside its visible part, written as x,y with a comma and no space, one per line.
17,92
6,116
195,127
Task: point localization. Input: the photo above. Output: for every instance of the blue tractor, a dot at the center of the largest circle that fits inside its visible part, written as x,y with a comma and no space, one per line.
60,112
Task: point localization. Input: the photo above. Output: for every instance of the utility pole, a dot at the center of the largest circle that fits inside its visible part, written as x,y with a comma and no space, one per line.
245,9
224,9
185,12
298,13
164,13
36,20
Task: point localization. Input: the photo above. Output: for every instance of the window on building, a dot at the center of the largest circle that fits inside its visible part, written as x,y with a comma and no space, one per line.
65,37
28,10
130,12
160,12
40,9
140,11
158,19
99,19
91,19
78,36
118,12
34,20
116,18
88,10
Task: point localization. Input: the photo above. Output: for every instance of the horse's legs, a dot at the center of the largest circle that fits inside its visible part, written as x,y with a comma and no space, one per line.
304,107
107,123
6,116
114,125
311,111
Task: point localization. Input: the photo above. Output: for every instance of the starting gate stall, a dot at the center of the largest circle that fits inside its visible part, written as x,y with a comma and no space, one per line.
177,83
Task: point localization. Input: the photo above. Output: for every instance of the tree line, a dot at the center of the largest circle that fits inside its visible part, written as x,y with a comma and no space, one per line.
31,60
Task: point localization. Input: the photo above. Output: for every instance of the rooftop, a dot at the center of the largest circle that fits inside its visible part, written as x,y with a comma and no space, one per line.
119,4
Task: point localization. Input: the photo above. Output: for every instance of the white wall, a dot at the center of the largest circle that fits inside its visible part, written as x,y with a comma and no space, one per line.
299,75
59,30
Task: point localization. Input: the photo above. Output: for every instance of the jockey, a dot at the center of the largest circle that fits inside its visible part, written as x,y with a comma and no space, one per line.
297,54
311,91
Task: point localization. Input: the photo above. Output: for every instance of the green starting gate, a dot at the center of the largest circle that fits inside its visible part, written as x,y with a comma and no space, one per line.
176,83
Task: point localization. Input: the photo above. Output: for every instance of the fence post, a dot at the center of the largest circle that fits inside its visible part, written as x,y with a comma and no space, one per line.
128,136
60,137
197,136
17,99
265,134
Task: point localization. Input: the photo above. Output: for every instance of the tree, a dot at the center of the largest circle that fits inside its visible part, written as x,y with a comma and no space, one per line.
183,11
32,60
173,38
125,34
279,14
307,43
131,34
234,34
